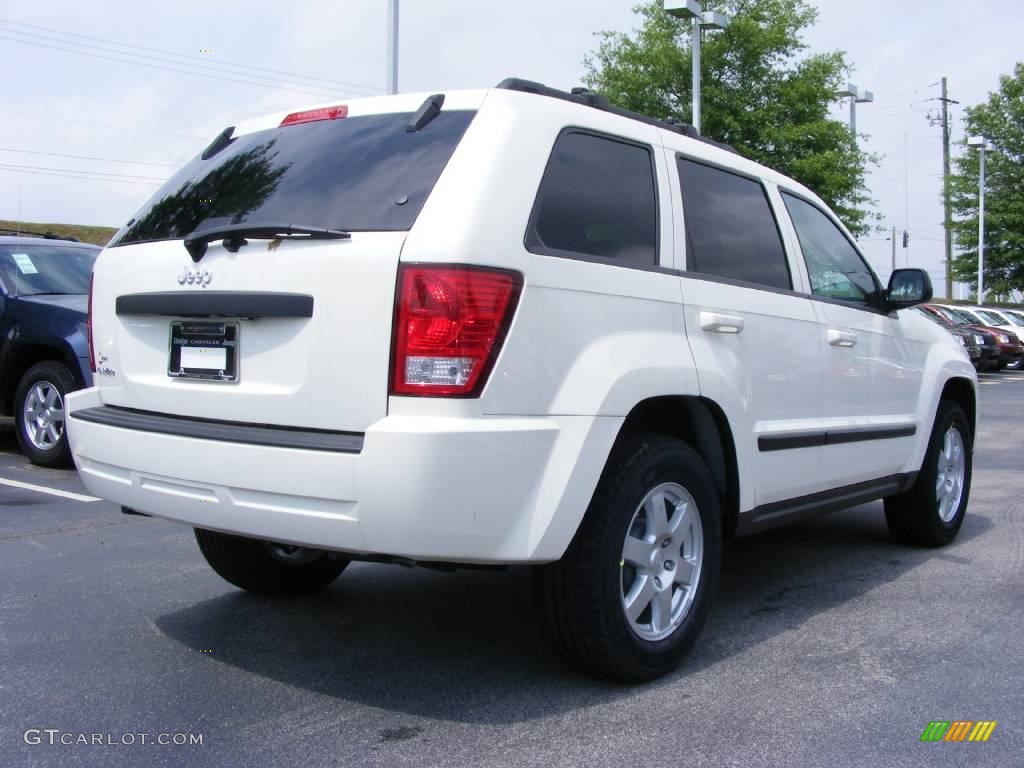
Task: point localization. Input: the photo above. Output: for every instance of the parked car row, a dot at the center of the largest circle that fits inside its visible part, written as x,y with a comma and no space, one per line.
992,337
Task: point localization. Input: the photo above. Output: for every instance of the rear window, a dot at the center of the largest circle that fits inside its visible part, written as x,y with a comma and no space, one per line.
34,270
354,173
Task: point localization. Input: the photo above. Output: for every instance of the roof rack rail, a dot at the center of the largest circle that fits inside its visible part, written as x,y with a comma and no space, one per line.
44,235
588,98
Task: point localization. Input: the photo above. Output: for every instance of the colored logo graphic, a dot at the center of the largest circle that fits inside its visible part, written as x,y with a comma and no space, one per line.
958,730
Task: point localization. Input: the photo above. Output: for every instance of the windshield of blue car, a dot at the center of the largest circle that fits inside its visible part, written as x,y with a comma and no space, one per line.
27,269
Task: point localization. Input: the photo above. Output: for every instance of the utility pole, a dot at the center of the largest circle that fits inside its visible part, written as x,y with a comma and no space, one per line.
946,202
695,43
893,238
392,46
981,228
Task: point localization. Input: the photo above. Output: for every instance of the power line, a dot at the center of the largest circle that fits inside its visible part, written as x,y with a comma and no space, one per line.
320,94
103,125
80,178
87,157
198,58
78,170
320,90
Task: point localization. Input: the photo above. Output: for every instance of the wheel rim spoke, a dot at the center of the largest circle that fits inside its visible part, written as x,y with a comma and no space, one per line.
657,515
661,614
637,552
680,519
640,597
685,572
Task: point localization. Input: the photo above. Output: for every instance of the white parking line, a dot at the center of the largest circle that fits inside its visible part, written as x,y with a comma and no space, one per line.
44,489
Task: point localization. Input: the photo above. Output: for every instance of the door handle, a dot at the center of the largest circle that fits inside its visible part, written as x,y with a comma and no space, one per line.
841,338
717,323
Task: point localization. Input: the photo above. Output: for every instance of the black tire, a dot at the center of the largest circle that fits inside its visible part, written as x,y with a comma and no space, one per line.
913,517
580,596
248,564
57,376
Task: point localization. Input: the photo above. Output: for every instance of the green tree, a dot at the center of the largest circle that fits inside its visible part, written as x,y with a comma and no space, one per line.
762,92
1000,119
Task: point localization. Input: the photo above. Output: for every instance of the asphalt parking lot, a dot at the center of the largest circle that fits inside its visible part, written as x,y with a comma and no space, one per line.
829,645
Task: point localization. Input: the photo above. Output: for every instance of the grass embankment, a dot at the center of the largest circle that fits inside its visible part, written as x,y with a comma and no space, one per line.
85,233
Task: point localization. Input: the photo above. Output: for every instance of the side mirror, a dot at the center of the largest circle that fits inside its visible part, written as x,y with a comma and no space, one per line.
908,288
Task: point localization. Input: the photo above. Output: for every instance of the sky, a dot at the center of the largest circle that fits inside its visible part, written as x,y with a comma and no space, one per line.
139,116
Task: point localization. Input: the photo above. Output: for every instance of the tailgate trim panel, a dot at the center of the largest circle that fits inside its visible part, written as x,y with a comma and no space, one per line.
216,303
223,431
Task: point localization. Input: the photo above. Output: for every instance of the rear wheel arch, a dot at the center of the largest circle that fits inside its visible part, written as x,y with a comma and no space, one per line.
702,424
22,357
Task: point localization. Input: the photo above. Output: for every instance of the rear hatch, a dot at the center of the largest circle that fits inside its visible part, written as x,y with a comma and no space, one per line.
281,312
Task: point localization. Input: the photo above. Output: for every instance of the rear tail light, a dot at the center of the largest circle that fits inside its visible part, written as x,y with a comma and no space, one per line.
88,329
312,115
450,323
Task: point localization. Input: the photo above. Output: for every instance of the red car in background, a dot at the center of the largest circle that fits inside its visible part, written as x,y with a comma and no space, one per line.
1011,351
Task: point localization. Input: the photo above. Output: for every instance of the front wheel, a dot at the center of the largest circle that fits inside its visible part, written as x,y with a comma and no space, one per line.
39,413
632,592
268,568
931,512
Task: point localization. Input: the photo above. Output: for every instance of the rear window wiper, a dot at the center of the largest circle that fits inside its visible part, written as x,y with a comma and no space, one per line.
234,235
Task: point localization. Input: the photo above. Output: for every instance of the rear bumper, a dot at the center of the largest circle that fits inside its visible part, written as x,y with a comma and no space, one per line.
475,490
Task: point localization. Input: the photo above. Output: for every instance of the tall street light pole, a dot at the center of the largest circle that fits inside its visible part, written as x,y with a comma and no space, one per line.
982,144
392,46
856,96
691,9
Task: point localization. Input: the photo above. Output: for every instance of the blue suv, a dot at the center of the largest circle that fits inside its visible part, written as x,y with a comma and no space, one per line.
44,347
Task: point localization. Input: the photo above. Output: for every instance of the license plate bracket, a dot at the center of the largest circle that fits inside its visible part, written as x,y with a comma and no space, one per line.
206,351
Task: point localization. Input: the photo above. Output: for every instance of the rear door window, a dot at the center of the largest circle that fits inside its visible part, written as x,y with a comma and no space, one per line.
354,173
730,229
597,199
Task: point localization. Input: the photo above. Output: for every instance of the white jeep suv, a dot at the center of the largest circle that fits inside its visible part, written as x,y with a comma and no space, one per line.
515,325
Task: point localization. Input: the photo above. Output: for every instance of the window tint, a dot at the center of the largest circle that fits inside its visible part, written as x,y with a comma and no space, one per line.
836,269
597,198
730,229
354,173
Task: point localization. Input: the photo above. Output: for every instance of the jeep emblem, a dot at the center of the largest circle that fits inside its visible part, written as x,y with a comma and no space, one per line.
198,277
